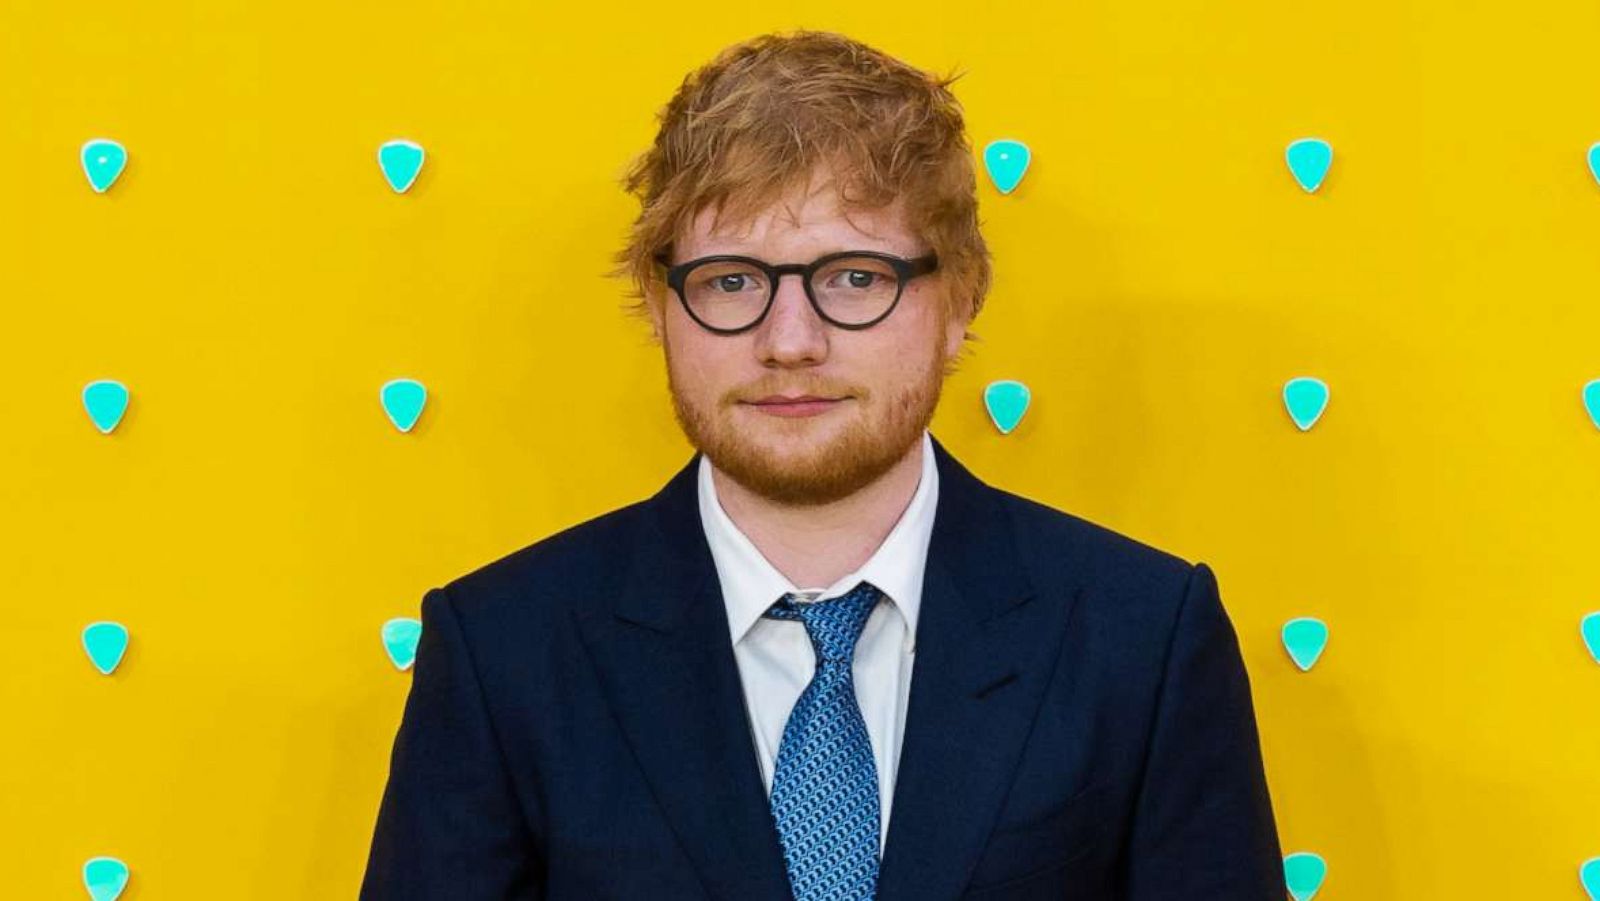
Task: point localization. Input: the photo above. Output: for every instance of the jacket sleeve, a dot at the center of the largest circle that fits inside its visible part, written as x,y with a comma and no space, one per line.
449,827
1202,826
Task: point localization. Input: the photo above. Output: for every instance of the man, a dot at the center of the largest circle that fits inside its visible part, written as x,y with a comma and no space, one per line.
710,694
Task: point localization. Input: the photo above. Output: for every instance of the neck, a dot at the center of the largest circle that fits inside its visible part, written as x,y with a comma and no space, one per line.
814,546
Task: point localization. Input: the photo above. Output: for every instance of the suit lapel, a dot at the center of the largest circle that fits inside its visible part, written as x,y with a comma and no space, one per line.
984,654
665,659
986,649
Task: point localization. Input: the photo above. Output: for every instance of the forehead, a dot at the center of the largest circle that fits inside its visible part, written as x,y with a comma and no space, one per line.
812,218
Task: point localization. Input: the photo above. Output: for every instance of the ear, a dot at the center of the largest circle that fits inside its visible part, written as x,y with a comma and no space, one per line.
955,332
654,313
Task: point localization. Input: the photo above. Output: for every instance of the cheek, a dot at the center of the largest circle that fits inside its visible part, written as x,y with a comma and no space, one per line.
903,351
700,367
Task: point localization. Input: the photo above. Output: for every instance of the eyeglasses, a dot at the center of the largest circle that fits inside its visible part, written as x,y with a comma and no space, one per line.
855,289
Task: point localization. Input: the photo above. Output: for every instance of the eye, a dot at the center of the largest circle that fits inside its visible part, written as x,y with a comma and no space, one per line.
723,279
858,279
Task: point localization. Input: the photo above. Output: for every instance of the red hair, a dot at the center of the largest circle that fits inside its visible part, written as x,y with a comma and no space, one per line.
760,117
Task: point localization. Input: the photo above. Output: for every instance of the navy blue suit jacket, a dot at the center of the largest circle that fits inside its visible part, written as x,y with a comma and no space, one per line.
1080,724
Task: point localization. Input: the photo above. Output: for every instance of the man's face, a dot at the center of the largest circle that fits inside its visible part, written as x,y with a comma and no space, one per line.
884,382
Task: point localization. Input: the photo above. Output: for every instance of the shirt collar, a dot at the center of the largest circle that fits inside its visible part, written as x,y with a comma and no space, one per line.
751,584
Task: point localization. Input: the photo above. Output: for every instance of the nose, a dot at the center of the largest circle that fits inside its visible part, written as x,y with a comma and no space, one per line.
792,334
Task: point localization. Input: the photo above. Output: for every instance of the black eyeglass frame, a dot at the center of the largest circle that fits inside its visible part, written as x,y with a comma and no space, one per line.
905,270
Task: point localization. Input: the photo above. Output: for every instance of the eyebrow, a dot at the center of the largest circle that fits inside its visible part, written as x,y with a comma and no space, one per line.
817,255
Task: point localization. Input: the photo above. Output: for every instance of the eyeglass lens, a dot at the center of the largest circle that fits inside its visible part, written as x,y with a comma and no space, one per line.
731,294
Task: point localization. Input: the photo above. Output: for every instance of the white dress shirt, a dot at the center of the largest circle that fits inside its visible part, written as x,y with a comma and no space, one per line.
775,657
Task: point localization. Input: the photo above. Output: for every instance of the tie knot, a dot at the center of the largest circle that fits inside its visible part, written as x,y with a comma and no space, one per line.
834,625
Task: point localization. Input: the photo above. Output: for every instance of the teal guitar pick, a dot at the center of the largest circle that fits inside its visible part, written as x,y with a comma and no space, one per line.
1006,162
105,643
1591,401
403,400
1303,874
105,400
1305,398
1589,877
1006,401
1594,160
105,878
103,161
400,637
400,161
1305,638
1309,160
1590,629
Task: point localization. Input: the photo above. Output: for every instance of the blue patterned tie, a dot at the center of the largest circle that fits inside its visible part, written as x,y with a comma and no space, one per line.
825,787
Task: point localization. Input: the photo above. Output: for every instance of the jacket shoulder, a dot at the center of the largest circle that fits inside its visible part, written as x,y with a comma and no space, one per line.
1058,545
577,561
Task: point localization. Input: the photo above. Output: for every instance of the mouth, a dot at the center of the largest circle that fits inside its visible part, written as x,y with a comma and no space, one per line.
797,405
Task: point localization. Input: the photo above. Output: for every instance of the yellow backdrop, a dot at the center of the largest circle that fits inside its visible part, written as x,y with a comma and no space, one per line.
1159,276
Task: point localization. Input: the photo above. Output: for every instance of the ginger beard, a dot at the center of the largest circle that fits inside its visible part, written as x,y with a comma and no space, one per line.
810,460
